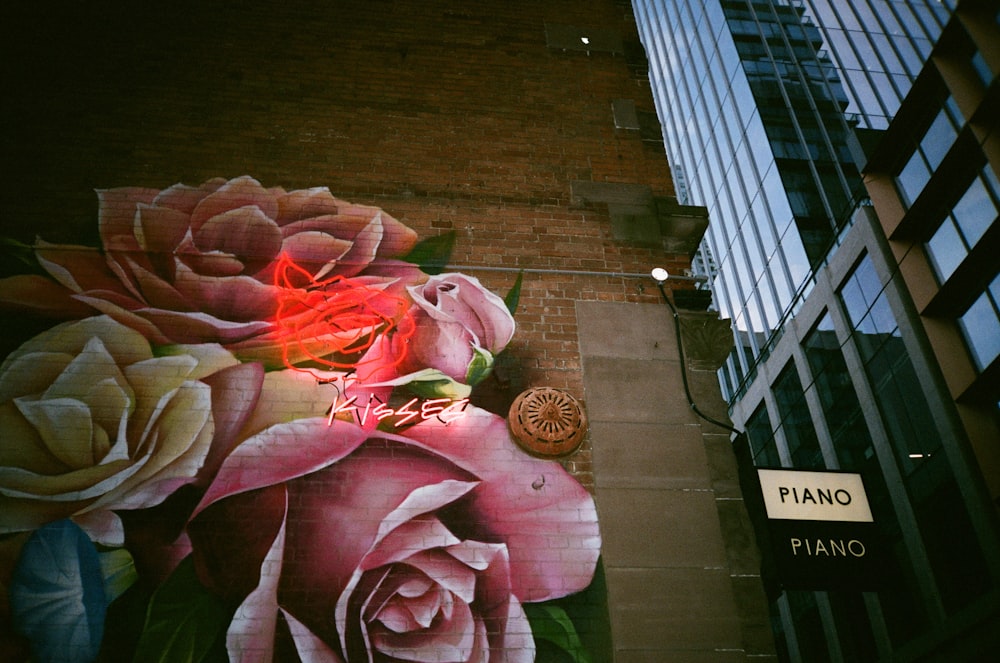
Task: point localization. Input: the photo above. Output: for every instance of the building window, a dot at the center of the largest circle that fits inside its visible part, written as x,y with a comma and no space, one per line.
962,229
980,325
762,445
849,434
809,631
838,397
888,367
929,153
857,641
942,515
800,434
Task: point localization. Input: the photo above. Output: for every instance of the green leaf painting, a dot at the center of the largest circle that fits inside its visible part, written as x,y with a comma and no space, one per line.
19,257
480,366
118,569
573,629
551,623
184,620
514,294
433,253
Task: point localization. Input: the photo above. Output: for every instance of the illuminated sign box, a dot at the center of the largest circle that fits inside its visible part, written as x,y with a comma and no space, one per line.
821,530
827,496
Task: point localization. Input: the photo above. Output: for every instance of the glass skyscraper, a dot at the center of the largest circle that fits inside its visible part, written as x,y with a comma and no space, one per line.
757,102
844,151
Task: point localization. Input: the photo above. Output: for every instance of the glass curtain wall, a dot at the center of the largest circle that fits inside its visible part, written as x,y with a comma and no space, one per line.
954,554
757,100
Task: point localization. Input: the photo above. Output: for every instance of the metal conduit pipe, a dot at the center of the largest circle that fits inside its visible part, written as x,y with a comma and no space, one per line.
570,272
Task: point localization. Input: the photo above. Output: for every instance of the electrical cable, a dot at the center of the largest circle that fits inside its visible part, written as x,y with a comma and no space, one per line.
680,351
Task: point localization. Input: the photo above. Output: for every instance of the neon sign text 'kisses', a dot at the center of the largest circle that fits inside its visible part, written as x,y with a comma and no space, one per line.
445,410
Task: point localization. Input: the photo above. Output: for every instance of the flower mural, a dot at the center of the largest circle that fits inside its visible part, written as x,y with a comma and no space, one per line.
93,423
457,329
455,538
254,431
214,263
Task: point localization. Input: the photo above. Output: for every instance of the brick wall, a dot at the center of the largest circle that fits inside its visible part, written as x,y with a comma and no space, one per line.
448,116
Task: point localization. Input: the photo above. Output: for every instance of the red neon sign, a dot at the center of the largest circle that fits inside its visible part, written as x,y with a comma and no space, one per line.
334,321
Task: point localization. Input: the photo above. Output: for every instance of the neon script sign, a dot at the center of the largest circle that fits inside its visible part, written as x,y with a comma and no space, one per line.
335,322
445,410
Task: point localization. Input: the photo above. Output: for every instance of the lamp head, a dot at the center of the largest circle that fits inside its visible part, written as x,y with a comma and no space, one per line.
660,274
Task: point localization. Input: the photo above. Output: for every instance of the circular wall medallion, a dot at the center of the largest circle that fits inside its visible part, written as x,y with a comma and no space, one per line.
547,422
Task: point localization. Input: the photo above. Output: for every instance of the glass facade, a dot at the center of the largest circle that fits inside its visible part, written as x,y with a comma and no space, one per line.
765,105
842,413
757,101
914,438
904,409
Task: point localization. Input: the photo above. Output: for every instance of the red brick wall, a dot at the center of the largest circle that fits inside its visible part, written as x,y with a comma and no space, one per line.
450,116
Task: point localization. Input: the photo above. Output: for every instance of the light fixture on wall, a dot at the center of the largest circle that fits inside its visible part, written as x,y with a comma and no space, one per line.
660,275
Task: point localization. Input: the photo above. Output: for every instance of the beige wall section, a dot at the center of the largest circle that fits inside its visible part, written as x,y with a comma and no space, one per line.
678,550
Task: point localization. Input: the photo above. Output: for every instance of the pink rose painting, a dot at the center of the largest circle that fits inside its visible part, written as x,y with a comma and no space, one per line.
247,435
212,263
457,536
457,330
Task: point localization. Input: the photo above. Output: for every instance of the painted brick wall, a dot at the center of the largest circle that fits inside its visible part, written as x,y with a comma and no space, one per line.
451,117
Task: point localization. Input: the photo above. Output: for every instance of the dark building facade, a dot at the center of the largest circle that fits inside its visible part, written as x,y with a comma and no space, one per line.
852,192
